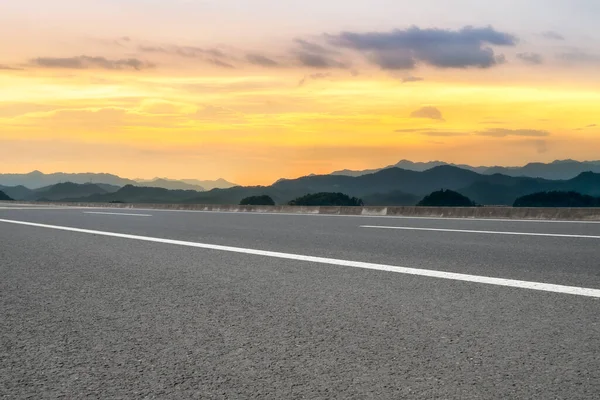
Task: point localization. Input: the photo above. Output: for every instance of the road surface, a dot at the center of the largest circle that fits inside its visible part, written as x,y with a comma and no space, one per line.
157,304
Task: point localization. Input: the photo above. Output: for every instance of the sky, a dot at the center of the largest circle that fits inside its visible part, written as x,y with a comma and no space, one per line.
252,91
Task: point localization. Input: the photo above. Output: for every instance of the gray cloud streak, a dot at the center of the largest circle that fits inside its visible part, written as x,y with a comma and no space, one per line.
501,132
403,49
531,58
87,62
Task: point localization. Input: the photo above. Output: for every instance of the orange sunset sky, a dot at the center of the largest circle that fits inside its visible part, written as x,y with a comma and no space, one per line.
252,91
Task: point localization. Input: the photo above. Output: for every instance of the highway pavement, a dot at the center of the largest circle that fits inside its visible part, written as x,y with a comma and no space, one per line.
134,303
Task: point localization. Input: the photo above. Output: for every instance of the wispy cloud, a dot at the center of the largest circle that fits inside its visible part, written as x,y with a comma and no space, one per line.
261,60
429,113
410,78
579,56
501,132
552,35
87,62
531,58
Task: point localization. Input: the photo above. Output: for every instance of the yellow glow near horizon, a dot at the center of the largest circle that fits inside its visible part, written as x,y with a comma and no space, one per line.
256,128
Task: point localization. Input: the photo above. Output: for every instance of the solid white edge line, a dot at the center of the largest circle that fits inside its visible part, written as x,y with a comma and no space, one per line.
545,287
409,228
116,213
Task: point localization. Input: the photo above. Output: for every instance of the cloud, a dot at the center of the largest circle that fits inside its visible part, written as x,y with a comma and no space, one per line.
410,130
442,48
501,132
579,56
531,58
552,35
586,127
541,146
259,59
184,51
312,47
409,79
220,63
316,76
9,68
87,62
443,133
321,61
428,112
314,55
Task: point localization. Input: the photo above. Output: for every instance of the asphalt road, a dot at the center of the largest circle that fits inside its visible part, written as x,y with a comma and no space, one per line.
86,315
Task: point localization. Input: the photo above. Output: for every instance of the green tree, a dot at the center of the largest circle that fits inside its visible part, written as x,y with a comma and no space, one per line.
446,198
327,199
263,200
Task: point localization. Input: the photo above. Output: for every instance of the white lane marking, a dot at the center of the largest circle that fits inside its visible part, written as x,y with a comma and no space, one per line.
110,213
408,228
545,287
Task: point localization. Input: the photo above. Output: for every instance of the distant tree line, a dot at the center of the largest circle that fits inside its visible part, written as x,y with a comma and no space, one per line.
557,199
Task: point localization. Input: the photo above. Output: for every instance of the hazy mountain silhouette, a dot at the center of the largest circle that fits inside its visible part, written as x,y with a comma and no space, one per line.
58,192
392,186
170,184
560,169
209,185
37,179
137,194
17,192
65,190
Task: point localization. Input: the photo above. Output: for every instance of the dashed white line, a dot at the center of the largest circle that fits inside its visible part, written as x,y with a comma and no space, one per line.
410,228
110,213
545,287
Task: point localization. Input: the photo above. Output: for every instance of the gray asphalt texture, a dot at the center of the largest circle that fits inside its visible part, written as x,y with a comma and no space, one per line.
85,316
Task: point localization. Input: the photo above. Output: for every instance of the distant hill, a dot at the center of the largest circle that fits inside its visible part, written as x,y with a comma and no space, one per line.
209,185
136,194
17,192
557,199
186,184
560,169
393,198
4,196
66,190
393,186
170,184
58,191
37,179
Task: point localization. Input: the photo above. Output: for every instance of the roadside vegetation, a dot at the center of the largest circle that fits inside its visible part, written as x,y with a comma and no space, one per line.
557,199
446,198
327,199
263,200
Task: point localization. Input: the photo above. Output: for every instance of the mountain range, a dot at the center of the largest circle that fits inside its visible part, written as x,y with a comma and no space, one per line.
385,187
392,186
37,179
559,169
